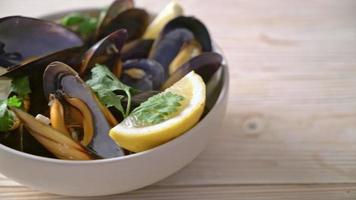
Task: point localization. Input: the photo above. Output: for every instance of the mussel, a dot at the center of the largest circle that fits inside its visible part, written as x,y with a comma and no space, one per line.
115,9
133,20
140,47
136,49
106,51
168,46
23,39
60,145
200,32
205,65
34,71
147,74
63,82
143,74
122,15
185,37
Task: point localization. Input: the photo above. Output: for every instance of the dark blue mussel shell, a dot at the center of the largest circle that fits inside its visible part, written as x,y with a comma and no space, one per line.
24,38
153,74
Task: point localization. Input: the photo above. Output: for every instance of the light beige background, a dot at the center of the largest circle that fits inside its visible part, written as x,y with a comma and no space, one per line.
290,131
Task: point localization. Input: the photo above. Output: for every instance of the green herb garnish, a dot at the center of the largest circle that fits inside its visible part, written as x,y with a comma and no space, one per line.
7,117
80,23
106,85
21,86
14,101
157,108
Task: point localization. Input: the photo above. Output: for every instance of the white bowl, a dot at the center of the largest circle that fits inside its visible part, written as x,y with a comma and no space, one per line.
116,175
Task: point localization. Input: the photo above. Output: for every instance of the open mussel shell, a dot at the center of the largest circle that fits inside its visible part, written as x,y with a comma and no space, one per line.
201,33
8,59
24,38
59,77
205,65
20,138
136,49
55,142
143,74
134,20
34,70
168,46
106,52
69,56
116,8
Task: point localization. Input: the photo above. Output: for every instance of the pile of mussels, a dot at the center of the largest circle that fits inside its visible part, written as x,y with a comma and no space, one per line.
54,60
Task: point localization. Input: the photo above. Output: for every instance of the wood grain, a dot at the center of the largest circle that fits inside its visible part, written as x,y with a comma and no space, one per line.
292,107
226,192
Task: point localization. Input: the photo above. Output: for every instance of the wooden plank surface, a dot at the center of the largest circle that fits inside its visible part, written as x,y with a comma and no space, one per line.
292,107
215,192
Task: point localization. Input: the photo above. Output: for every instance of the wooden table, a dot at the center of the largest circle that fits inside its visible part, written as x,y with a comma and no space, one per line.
290,130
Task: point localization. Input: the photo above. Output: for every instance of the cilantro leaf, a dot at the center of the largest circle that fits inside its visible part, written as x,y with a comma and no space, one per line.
14,101
112,99
157,108
72,19
21,86
105,84
6,116
80,23
87,26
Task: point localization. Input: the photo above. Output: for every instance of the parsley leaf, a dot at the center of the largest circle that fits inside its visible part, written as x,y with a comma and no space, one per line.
105,84
157,108
21,86
14,101
112,99
80,23
7,117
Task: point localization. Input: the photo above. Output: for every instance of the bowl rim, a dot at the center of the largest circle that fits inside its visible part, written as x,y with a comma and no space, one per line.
222,95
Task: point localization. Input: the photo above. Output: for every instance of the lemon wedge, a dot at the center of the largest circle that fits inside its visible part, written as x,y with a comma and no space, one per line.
140,138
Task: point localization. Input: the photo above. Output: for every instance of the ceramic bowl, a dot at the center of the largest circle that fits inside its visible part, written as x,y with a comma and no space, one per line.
116,175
